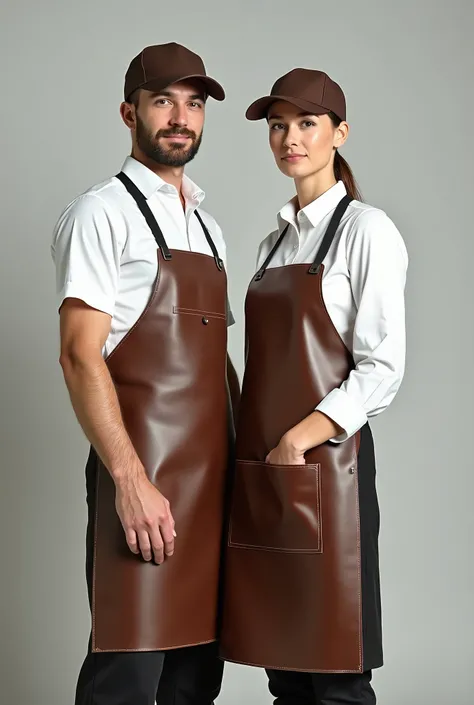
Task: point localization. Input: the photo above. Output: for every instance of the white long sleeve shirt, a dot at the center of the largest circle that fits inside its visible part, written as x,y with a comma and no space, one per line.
363,289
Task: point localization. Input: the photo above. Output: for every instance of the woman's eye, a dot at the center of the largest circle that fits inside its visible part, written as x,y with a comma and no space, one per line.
309,123
276,126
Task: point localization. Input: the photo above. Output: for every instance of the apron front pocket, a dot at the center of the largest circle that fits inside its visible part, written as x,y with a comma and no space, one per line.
276,507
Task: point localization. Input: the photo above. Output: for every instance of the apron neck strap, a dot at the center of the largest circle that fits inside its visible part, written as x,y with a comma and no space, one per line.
142,203
275,247
324,247
217,259
329,234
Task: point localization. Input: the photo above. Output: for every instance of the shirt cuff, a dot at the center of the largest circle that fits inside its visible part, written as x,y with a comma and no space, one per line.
341,408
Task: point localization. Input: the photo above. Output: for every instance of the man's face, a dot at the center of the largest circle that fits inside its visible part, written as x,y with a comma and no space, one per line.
169,124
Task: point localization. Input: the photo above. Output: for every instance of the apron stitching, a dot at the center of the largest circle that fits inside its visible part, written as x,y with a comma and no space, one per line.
150,302
323,303
258,547
199,312
149,650
359,548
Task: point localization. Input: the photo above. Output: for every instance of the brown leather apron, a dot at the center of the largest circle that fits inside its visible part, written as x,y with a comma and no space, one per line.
169,372
301,584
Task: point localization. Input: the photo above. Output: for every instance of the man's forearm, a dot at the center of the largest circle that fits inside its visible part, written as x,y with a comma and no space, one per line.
96,405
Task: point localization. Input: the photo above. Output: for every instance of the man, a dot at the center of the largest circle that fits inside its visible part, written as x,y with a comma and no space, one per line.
142,296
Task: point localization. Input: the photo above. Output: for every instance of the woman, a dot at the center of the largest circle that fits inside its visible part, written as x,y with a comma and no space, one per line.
325,350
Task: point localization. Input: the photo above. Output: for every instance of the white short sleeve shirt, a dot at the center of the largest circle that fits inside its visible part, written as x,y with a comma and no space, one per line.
106,255
363,290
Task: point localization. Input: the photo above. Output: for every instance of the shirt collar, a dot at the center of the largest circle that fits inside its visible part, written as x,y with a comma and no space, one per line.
148,182
315,211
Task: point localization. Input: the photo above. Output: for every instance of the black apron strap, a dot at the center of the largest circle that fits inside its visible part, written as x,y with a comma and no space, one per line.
324,247
275,247
218,261
329,234
141,202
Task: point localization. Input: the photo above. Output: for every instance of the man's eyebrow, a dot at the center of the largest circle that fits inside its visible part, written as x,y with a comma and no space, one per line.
172,94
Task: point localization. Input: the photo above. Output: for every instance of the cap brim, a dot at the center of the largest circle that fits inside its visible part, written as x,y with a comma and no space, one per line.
259,109
213,88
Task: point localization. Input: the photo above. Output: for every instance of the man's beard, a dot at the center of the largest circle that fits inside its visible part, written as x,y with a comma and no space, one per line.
177,154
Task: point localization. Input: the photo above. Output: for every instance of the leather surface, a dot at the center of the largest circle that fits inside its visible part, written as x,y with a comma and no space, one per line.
297,606
170,377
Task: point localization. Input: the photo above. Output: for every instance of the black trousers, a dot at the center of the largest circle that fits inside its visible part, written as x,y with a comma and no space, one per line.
292,688
188,676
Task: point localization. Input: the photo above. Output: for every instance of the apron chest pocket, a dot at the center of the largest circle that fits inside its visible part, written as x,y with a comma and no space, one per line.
276,507
199,312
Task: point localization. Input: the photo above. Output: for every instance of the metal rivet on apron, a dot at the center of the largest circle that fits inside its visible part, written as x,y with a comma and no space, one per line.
352,471
205,320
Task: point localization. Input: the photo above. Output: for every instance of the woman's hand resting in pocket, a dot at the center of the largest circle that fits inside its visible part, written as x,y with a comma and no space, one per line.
315,429
285,454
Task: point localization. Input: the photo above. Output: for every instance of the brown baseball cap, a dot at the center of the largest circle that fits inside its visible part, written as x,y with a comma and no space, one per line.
308,89
158,66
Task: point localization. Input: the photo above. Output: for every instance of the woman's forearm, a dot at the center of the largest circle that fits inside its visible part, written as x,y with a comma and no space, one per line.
315,429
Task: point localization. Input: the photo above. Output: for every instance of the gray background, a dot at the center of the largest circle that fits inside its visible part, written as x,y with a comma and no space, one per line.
406,68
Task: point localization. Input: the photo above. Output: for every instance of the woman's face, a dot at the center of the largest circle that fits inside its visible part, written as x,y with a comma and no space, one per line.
303,144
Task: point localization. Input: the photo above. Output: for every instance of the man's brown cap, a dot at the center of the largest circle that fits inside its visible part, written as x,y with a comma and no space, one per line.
308,89
158,66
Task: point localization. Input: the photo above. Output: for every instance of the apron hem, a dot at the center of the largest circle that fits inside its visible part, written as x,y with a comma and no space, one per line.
97,650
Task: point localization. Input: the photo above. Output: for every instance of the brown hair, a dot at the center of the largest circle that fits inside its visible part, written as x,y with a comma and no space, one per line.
342,170
134,98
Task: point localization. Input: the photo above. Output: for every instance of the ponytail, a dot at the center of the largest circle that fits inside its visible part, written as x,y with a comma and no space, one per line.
342,170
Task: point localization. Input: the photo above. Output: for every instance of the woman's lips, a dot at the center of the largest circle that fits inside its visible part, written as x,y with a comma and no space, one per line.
293,158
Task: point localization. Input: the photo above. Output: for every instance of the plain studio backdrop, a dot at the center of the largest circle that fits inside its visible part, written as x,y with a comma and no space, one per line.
406,68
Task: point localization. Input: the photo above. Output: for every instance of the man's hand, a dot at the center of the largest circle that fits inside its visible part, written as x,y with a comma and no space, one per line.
146,517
